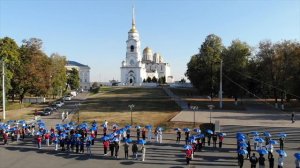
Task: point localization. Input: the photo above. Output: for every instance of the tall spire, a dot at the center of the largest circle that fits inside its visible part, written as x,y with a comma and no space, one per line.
133,18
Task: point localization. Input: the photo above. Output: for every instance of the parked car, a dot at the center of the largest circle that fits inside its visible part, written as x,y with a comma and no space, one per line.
59,104
48,110
68,98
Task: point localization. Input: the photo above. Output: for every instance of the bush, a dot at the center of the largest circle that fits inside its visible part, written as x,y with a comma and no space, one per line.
95,90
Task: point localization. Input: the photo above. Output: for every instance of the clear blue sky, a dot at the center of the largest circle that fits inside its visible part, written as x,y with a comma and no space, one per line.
94,32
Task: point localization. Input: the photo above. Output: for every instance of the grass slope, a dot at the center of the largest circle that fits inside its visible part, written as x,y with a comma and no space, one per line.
152,106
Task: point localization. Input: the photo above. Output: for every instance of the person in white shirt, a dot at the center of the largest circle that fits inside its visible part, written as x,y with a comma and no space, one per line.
143,151
156,135
280,161
255,142
105,124
149,135
63,116
66,115
160,136
270,149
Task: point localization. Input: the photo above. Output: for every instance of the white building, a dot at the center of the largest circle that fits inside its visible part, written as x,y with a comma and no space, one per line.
138,67
84,73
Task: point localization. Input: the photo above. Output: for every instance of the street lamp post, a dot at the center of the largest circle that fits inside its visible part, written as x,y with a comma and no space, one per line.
194,108
3,90
131,106
210,109
78,115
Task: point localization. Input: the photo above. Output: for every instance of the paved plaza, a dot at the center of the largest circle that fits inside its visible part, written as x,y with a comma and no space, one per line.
168,154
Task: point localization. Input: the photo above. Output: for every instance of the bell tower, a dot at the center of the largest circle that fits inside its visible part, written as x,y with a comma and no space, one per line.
133,51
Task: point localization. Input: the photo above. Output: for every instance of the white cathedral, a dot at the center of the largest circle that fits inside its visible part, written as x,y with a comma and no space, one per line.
137,68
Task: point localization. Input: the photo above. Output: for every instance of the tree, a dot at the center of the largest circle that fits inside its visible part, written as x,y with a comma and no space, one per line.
201,69
163,80
277,68
33,75
148,79
73,79
269,64
154,79
235,61
58,74
288,66
182,81
9,52
95,88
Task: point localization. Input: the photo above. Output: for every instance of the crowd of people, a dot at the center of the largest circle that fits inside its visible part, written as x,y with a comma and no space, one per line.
79,139
263,144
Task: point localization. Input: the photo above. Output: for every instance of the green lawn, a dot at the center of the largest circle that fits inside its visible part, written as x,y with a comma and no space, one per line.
152,106
16,105
118,99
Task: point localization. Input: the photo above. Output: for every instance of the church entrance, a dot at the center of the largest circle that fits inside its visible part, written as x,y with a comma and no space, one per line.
130,81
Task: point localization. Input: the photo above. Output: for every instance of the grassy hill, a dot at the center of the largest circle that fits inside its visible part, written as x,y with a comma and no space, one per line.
152,106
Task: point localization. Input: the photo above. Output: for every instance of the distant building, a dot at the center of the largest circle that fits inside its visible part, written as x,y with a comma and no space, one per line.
138,66
84,73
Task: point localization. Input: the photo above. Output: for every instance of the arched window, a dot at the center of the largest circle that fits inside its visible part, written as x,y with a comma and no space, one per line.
131,48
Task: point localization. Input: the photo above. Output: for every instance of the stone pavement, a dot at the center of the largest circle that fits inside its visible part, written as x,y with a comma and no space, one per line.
181,103
168,154
246,118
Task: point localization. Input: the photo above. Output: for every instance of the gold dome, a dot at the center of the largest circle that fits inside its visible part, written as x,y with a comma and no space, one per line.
133,30
147,50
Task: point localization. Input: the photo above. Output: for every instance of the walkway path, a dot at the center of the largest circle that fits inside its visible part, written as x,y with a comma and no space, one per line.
250,117
181,103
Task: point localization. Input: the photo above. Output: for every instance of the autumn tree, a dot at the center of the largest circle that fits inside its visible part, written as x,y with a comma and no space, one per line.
235,61
34,73
203,68
73,79
58,74
9,53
